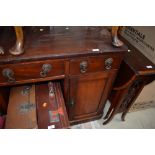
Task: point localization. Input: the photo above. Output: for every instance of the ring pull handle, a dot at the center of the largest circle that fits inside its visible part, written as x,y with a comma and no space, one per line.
46,68
9,74
108,63
83,66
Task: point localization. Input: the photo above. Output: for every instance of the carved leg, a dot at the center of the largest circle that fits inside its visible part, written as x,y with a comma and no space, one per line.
115,40
1,51
18,48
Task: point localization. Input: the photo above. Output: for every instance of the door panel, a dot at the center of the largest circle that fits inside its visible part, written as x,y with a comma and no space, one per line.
86,94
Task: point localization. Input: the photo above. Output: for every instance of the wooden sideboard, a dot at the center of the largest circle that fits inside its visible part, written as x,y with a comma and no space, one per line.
83,59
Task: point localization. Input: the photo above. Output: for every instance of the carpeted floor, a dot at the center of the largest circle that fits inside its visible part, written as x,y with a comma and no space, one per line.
143,119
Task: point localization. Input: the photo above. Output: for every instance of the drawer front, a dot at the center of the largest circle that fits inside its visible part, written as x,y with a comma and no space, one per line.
21,111
51,109
94,64
13,73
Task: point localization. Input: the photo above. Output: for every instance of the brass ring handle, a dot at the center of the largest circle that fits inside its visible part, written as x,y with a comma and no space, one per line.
9,74
46,68
108,63
83,66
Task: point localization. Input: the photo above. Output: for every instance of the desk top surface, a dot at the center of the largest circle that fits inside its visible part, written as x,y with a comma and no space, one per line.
58,42
139,63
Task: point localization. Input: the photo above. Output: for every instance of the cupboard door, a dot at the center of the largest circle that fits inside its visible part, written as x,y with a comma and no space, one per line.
88,94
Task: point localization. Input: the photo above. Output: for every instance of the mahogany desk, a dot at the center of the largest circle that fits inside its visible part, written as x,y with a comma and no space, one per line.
82,59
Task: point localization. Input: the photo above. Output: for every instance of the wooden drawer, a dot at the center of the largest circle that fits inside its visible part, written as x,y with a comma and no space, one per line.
51,110
21,72
94,64
21,111
37,106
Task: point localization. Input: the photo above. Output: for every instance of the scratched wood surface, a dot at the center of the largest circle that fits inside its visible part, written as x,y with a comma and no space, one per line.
60,42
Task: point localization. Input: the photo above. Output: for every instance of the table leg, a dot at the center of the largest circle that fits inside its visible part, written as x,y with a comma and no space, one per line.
116,104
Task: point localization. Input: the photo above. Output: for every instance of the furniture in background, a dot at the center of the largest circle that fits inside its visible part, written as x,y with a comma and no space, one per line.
135,72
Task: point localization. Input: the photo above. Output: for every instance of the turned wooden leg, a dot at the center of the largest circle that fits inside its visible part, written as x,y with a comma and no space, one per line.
18,48
115,40
1,51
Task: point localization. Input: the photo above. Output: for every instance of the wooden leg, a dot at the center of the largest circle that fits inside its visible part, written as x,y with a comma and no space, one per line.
123,116
116,105
110,117
133,93
1,51
115,40
109,111
18,48
113,98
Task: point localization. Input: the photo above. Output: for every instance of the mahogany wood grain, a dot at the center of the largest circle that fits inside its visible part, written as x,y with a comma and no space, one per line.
29,81
75,42
65,49
86,93
95,64
31,70
51,103
21,111
131,79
